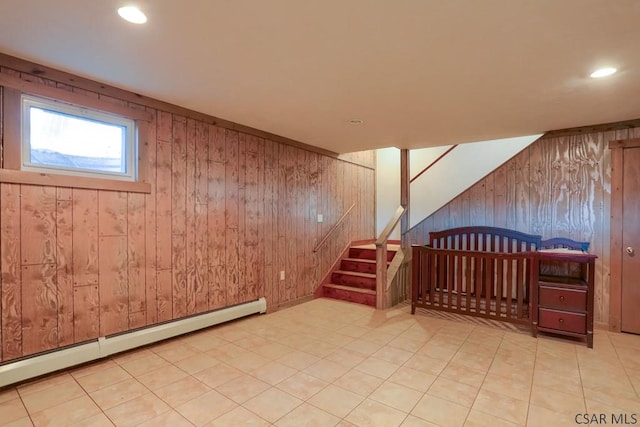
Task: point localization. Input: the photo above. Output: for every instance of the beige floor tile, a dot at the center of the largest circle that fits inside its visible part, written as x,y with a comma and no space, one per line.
326,370
479,362
307,415
507,386
272,350
363,347
273,372
413,421
12,410
298,359
439,351
544,379
66,414
417,380
248,361
344,357
242,388
505,407
426,364
543,417
397,396
197,363
441,412
377,367
177,352
557,401
336,400
131,355
167,419
218,375
91,368
206,408
372,413
49,397
137,411
464,375
98,420
238,417
161,377
20,422
142,365
181,391
480,419
479,348
272,404
302,385
44,383
8,394
103,378
453,391
359,382
393,355
119,393
608,398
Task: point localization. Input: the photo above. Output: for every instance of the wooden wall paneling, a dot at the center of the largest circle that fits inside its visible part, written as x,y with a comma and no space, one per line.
282,201
312,229
11,128
179,275
500,196
270,221
136,261
38,225
615,259
39,308
11,272
201,218
190,222
86,316
64,265
150,231
251,237
561,190
477,201
164,293
260,285
293,218
242,217
602,309
217,144
300,197
441,218
216,234
232,217
522,208
112,213
85,239
164,126
489,198
113,285
510,193
541,187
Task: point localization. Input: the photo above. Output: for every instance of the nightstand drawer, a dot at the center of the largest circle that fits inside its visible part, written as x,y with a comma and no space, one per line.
563,299
563,321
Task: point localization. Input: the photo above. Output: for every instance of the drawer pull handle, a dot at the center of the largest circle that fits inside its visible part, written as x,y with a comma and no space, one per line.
561,321
561,297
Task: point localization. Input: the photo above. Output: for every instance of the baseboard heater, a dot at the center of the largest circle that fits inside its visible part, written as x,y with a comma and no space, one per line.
31,367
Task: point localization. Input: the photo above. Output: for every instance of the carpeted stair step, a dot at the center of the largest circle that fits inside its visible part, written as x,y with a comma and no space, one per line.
348,293
368,253
354,279
359,265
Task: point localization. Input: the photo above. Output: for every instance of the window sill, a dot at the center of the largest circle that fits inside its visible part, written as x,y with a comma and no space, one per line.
55,180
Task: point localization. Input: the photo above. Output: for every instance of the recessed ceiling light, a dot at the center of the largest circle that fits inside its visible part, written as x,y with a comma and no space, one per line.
355,122
132,14
603,72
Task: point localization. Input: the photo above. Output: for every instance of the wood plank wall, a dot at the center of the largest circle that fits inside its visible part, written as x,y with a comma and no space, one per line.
227,212
557,187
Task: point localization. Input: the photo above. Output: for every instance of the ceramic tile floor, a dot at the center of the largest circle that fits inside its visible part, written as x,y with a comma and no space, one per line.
327,362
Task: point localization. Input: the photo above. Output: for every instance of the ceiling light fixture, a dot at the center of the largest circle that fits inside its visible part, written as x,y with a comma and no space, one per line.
132,14
603,72
355,122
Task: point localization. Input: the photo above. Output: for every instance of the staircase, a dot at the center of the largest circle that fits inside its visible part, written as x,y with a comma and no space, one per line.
354,278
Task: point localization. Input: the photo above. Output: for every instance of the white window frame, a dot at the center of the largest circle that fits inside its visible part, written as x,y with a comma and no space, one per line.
130,142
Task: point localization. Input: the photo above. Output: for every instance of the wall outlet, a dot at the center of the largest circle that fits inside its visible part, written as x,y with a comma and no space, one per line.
320,218
282,275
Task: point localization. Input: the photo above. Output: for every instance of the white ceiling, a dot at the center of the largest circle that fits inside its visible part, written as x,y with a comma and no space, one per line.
418,72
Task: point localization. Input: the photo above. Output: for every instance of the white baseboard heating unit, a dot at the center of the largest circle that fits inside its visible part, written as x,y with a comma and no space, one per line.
60,359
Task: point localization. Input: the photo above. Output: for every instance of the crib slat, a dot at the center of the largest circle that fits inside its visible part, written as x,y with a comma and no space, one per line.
519,282
509,301
488,283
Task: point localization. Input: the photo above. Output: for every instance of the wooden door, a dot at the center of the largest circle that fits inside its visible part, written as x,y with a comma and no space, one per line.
624,314
630,319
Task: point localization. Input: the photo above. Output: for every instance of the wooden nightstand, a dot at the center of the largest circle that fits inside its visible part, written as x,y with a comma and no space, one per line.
562,298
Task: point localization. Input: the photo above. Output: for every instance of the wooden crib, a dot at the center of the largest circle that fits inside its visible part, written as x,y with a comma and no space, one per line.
478,271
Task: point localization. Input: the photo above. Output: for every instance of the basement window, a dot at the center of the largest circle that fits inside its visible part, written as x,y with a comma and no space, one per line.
72,140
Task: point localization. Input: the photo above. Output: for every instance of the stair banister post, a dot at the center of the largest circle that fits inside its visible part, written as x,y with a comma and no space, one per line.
381,274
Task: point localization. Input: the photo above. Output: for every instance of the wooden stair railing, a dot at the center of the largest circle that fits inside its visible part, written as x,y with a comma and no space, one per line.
333,229
381,258
450,149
